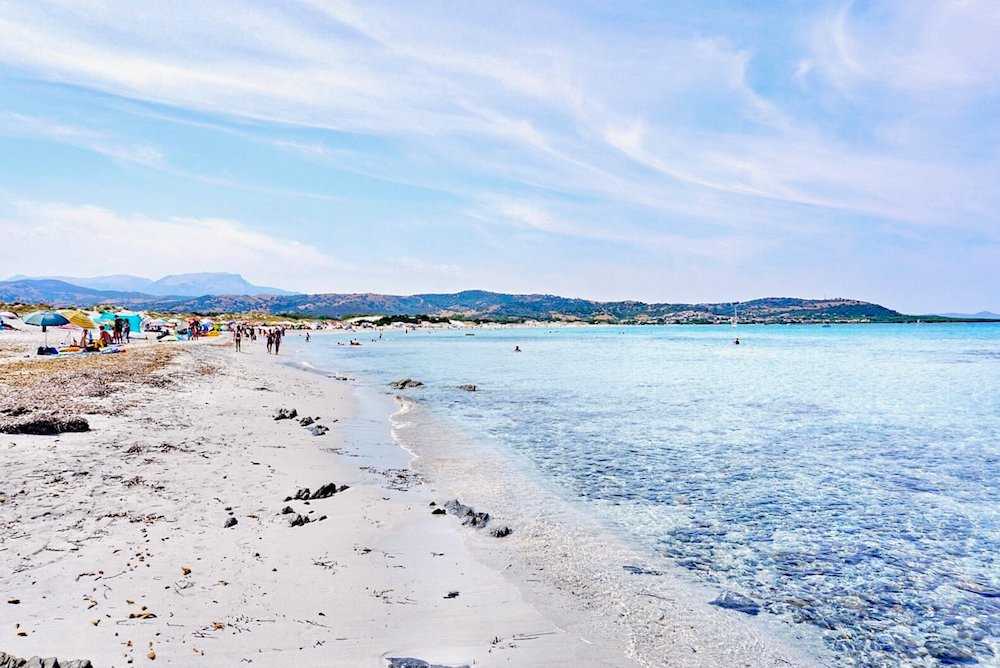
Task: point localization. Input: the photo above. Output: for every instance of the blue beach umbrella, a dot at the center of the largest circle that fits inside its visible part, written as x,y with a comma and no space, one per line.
45,319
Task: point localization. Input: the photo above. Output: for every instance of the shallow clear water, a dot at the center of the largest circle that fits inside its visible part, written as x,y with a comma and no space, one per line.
844,477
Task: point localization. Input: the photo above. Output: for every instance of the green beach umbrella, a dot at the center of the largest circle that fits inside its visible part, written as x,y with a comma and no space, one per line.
45,319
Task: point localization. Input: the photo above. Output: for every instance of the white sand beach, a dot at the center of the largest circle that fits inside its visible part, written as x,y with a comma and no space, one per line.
115,545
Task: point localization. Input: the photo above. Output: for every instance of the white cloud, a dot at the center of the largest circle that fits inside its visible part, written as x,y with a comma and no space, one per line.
917,46
52,237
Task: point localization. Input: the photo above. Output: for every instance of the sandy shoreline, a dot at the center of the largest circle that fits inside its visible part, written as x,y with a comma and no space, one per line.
115,548
100,526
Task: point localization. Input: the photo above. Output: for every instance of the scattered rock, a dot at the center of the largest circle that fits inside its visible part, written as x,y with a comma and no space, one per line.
287,510
318,429
439,511
286,414
299,520
13,601
409,662
468,387
230,522
451,594
45,426
639,570
306,421
467,514
405,383
501,532
185,570
327,490
733,601
11,661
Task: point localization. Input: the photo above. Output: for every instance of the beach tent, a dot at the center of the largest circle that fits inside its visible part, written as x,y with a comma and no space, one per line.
134,319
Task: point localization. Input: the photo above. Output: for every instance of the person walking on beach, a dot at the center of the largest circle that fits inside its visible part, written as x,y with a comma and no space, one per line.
270,342
277,341
238,338
127,329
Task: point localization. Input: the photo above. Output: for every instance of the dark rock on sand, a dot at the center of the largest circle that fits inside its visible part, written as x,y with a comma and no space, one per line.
306,421
733,601
501,532
327,490
467,514
639,570
469,387
408,662
286,414
318,429
299,520
438,511
45,426
287,510
11,661
451,594
230,522
405,383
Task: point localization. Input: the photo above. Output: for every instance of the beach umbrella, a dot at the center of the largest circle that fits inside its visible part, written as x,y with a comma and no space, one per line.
79,319
45,319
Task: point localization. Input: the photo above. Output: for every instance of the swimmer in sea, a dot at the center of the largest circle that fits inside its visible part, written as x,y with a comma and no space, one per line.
517,349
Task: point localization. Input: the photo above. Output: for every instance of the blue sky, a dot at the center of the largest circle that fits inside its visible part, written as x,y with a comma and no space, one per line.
665,151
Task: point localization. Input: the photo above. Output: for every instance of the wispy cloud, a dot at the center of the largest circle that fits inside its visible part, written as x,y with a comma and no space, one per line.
21,125
703,138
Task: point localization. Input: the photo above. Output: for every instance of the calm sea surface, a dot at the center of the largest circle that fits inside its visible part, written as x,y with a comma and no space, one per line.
845,477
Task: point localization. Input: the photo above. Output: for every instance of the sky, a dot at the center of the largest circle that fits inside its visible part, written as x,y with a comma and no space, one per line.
678,150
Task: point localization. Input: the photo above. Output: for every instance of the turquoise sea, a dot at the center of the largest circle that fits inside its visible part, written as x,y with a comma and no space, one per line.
846,478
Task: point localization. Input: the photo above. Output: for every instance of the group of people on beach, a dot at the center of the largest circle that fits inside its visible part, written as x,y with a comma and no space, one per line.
273,336
117,333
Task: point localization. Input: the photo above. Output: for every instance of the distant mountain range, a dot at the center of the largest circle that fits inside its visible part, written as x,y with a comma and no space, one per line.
471,304
174,285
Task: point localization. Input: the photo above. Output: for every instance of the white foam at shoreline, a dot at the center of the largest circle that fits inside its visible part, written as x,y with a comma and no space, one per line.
559,554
